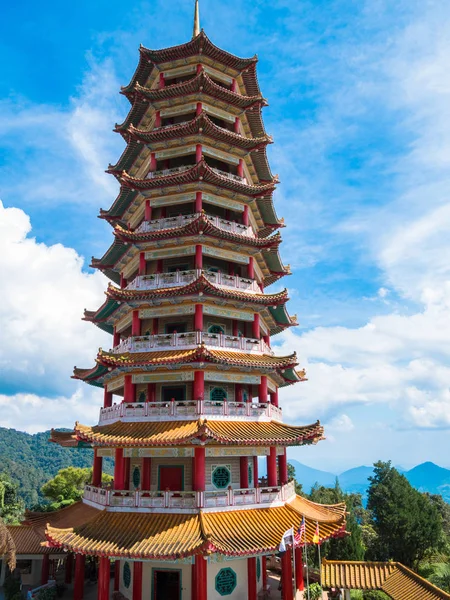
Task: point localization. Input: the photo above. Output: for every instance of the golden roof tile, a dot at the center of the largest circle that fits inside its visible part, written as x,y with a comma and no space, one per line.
27,540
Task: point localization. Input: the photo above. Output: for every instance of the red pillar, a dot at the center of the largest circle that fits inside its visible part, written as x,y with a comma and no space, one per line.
245,217
157,124
107,398
272,467
45,572
286,575
159,265
151,392
116,338
199,68
234,86
256,329
155,326
199,469
146,473
299,583
199,109
198,317
148,211
264,571
198,153
137,580
123,282
162,83
198,202
78,586
199,385
198,257
142,263
126,472
243,481
262,390
255,472
103,578
274,397
117,575
266,339
282,468
238,392
119,470
199,589
135,323
129,389
235,327
251,268
97,470
68,568
240,168
153,162
251,578
237,123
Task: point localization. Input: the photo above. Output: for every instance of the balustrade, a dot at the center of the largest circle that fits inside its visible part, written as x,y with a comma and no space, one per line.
180,278
182,220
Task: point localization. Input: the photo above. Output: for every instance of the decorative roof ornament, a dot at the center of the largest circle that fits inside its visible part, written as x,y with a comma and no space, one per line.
196,31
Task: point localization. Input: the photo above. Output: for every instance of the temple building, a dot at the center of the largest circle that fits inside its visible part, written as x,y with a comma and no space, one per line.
191,382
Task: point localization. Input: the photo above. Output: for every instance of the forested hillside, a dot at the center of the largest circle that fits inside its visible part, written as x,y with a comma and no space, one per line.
31,460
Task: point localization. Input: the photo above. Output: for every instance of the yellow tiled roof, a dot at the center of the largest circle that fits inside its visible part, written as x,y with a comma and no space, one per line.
183,432
71,516
27,540
168,536
396,580
331,513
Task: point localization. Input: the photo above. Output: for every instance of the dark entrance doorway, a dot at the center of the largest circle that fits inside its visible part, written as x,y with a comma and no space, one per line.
171,478
166,585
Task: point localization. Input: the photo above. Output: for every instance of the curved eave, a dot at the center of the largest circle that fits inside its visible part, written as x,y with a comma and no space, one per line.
114,253
202,226
129,156
199,172
136,114
291,376
281,316
125,197
199,285
91,376
267,211
261,163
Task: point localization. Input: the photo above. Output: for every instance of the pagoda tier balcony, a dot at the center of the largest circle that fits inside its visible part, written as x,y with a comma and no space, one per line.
182,278
186,410
160,501
182,168
183,220
190,340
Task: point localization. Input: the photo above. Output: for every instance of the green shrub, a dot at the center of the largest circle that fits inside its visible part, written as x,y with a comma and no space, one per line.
374,595
48,593
11,588
315,591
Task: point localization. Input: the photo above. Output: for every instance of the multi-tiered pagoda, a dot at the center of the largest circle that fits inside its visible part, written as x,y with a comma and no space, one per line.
191,382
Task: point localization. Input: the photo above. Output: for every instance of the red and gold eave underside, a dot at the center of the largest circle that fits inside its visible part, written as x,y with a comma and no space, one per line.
159,536
148,434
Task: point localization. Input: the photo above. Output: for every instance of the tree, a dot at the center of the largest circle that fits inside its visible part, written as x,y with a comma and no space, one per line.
292,477
68,484
11,507
407,522
7,546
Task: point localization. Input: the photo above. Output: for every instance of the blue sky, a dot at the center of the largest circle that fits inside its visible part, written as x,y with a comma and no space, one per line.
359,109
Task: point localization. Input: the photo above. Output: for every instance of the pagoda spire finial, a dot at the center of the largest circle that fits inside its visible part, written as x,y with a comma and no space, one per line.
196,21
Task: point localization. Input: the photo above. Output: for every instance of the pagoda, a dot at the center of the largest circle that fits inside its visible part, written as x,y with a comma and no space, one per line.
191,381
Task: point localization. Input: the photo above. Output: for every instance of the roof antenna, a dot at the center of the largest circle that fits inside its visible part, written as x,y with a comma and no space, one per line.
196,21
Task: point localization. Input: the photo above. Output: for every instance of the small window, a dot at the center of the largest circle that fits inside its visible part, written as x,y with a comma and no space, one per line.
142,397
250,474
126,575
136,477
218,395
221,477
216,329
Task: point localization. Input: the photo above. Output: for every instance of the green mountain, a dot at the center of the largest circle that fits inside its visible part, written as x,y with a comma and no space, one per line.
31,460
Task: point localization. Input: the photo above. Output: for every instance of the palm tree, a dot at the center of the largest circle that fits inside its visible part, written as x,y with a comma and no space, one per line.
7,546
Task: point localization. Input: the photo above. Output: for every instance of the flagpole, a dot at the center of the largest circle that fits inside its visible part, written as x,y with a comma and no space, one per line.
293,558
306,558
320,567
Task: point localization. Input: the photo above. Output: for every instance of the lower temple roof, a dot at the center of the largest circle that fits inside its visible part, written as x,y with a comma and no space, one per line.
168,433
171,536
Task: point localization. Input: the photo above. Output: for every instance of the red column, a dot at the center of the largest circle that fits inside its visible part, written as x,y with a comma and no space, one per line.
199,592
255,472
159,265
240,168
45,572
119,472
251,268
135,323
68,568
126,472
245,217
103,578
157,124
198,202
107,398
299,583
256,329
117,575
286,575
199,109
238,392
199,68
146,473
266,339
235,327
234,86
272,467
155,326
198,257
153,162
129,389
142,263
274,397
137,580
237,123
78,586
199,385
123,282
97,470
162,83
262,390
198,153
116,338
251,578
199,469
282,468
151,392
198,317
264,571
243,481
148,211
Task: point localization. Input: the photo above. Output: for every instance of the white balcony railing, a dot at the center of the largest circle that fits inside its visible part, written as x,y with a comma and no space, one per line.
164,172
182,220
181,278
190,340
229,175
141,499
188,410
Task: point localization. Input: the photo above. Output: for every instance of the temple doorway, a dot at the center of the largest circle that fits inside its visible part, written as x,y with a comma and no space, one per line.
166,585
171,478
